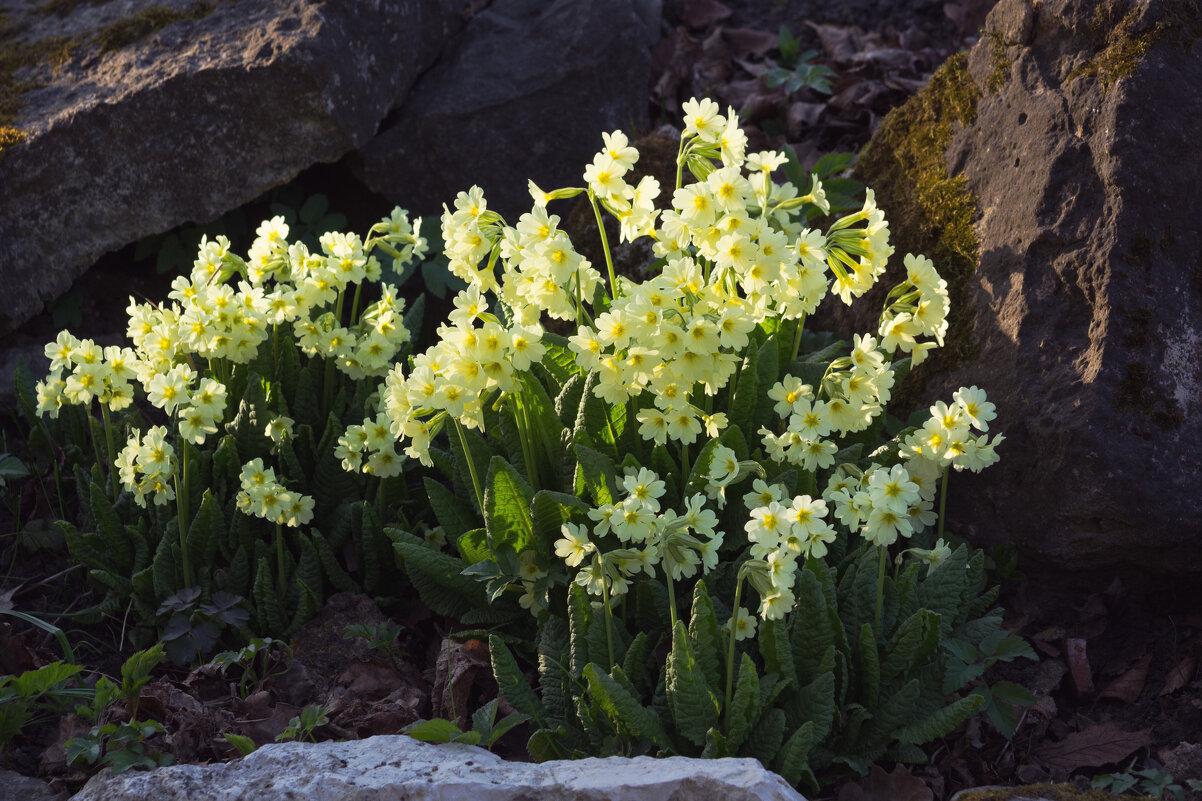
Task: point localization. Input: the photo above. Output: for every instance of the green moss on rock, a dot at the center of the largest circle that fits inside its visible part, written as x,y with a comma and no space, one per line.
17,55
929,211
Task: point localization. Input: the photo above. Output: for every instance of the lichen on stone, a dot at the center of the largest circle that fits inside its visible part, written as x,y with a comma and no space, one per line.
999,63
930,211
125,32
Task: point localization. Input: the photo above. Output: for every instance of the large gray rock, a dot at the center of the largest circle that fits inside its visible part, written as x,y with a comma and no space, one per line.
400,767
1072,126
523,94
184,122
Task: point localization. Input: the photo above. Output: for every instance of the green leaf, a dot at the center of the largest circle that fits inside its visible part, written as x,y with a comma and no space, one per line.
242,744
438,577
454,515
580,614
704,638
549,511
438,730
776,650
793,759
507,498
623,708
891,715
815,702
559,360
745,703
267,602
810,630
767,736
915,641
868,666
595,474
510,681
743,404
553,673
473,547
695,707
941,722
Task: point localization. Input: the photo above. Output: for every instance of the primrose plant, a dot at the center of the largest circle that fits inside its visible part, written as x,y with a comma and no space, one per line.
686,470
219,427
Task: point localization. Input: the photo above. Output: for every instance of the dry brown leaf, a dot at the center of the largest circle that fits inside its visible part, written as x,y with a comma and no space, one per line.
748,42
881,786
1179,676
840,43
1098,745
700,14
1128,687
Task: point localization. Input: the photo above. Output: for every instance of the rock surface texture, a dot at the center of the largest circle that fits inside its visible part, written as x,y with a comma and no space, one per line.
400,767
524,94
144,114
1072,126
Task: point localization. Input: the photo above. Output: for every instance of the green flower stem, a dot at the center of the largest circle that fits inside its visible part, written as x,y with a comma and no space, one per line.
279,559
471,463
609,262
684,461
679,161
108,438
521,414
381,499
609,616
355,302
880,587
943,499
181,510
801,323
730,648
671,599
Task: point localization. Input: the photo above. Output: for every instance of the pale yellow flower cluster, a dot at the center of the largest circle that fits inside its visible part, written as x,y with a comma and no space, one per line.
80,370
263,496
453,377
783,532
370,448
920,309
145,466
853,392
679,544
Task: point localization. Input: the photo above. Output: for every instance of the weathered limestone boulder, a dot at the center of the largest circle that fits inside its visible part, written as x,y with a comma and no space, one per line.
400,767
125,119
1054,177
524,94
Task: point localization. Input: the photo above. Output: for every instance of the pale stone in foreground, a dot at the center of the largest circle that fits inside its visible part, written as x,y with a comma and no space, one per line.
398,767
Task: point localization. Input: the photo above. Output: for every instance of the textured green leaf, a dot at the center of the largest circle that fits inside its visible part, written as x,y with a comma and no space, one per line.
438,577
118,550
943,592
868,666
941,722
307,578
810,630
267,602
553,672
766,736
815,702
567,402
511,682
338,577
716,746
695,706
595,474
745,704
893,714
704,639
163,569
793,759
580,615
743,404
549,511
623,708
634,662
559,360
507,498
776,650
915,641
